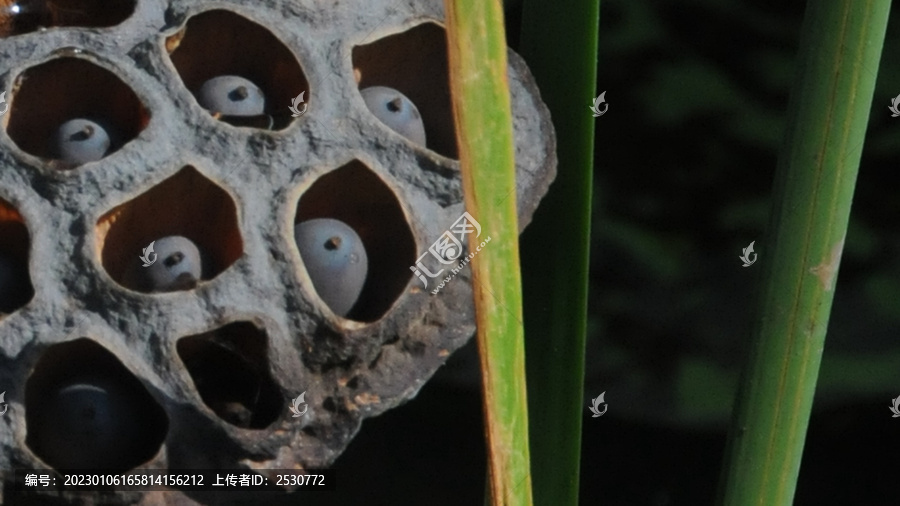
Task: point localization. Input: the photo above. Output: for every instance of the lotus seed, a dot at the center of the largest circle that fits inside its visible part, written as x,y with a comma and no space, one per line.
395,110
177,266
86,424
232,96
335,259
80,141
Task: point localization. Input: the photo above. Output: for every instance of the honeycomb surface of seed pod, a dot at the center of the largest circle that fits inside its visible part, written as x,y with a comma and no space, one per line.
216,366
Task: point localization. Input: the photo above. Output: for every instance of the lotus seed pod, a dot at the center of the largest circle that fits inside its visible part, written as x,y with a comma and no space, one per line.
86,424
335,259
232,96
395,110
80,141
176,266
233,192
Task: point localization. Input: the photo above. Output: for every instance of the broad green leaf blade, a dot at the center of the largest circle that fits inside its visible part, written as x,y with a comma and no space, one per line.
483,113
840,48
556,245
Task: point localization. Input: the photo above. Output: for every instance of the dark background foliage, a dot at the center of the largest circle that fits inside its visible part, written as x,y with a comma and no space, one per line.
685,160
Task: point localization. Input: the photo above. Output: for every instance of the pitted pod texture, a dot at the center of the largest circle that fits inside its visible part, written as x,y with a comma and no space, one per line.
209,371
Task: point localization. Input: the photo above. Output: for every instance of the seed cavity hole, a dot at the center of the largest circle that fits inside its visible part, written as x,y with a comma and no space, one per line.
414,62
244,49
85,410
16,289
170,209
66,100
230,370
369,207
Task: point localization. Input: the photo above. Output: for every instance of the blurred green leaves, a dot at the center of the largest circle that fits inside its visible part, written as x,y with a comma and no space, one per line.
680,196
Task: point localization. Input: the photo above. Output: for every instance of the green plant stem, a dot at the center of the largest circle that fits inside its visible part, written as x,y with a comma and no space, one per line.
840,48
556,277
483,113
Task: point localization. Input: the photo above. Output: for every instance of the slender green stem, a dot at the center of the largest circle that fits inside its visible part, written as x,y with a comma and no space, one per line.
840,48
556,278
483,113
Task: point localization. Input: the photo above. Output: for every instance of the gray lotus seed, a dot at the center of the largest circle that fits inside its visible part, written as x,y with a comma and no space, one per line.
86,424
232,96
395,110
177,266
335,259
81,140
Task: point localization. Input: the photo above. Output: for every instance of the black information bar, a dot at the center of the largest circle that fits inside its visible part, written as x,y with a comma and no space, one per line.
143,480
